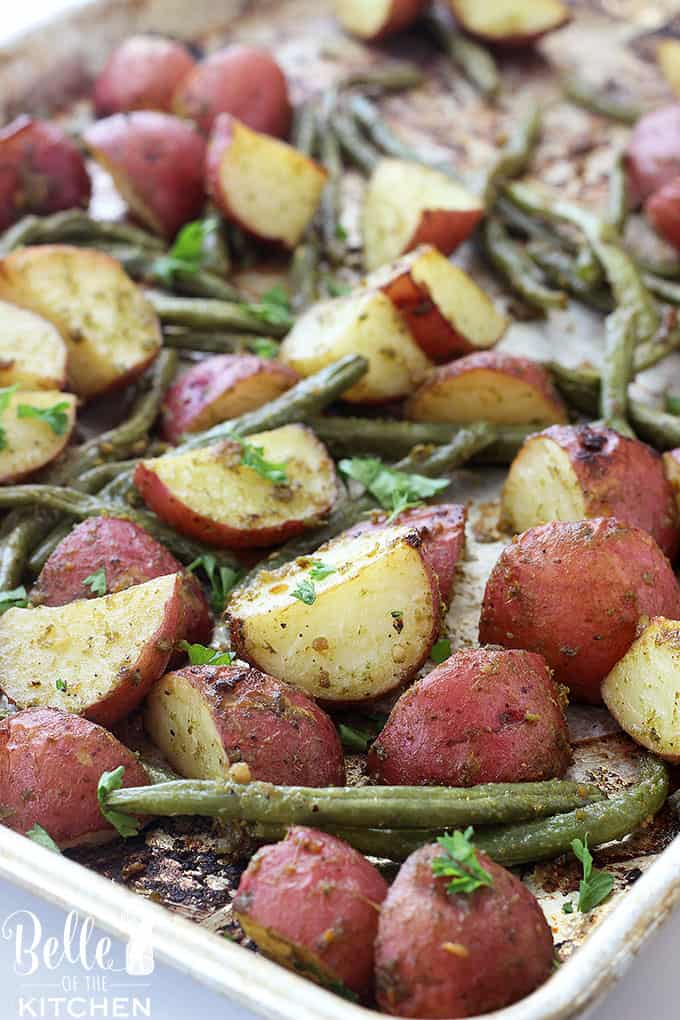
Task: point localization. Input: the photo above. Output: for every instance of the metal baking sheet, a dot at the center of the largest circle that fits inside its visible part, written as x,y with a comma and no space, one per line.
180,876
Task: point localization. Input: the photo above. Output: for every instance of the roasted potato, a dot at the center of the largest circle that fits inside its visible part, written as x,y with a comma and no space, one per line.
96,657
244,81
510,22
110,330
128,556
32,352
312,904
41,171
262,184
360,631
642,691
446,312
653,152
205,719
375,19
36,426
662,209
408,204
141,74
500,388
50,765
157,164
574,592
213,494
367,323
486,715
222,387
671,467
568,473
441,954
668,59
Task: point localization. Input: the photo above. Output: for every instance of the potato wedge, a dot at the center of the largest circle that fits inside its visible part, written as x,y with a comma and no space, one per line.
110,330
260,183
662,210
29,442
642,691
142,73
106,651
222,387
653,152
510,22
488,385
365,323
211,494
32,352
407,204
447,313
358,633
668,59
572,472
375,19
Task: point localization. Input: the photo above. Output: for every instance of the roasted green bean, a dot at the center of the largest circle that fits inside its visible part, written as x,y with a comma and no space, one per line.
473,60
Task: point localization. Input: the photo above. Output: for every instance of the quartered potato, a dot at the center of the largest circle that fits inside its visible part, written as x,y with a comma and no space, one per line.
510,22
142,73
36,426
110,330
375,19
32,352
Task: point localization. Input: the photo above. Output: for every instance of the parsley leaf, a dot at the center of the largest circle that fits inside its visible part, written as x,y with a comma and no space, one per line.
60,684
305,592
97,582
595,886
340,232
567,907
125,825
394,490
320,570
440,650
186,254
460,863
263,347
5,396
42,838
17,598
354,738
56,416
201,655
221,580
253,457
273,307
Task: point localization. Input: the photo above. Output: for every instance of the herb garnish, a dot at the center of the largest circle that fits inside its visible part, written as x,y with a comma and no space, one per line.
440,650
305,592
358,739
460,863
273,307
60,684
5,397
125,825
56,416
263,347
201,655
320,570
335,287
253,457
97,582
186,254
394,490
42,838
17,598
595,886
221,579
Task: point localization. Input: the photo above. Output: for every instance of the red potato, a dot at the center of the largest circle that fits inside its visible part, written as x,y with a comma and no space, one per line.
486,715
571,472
141,74
407,204
107,652
50,764
671,468
30,442
662,209
32,352
212,495
263,185
510,22
128,556
499,388
220,388
206,719
574,592
41,171
376,19
439,954
244,81
668,59
312,904
157,164
446,312
653,152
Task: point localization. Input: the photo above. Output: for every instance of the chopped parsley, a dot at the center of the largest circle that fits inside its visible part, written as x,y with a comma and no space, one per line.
395,490
595,886
201,655
320,570
60,684
359,738
125,825
5,397
42,838
97,582
220,579
273,307
440,650
253,457
57,416
460,863
17,598
305,592
340,232
567,907
186,254
263,347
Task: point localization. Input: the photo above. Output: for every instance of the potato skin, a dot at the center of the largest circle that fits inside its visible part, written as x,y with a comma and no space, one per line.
141,74
321,898
662,209
244,81
441,955
279,732
129,556
574,592
486,715
41,171
50,764
653,152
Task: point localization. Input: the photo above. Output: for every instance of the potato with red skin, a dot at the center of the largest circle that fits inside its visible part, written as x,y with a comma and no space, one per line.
312,904
222,387
671,468
510,22
244,81
50,765
376,19
572,472
662,209
653,152
41,171
207,718
128,556
574,592
486,715
143,73
156,162
447,955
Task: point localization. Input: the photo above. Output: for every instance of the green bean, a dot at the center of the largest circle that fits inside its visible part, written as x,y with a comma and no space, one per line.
212,343
74,225
304,274
352,142
519,221
14,550
669,269
595,99
446,458
617,370
215,257
474,61
379,131
304,133
394,77
197,313
659,428
514,157
617,198
561,270
512,262
331,200
201,284
668,290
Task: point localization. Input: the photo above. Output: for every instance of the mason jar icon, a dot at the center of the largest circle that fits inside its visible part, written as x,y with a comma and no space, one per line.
139,960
